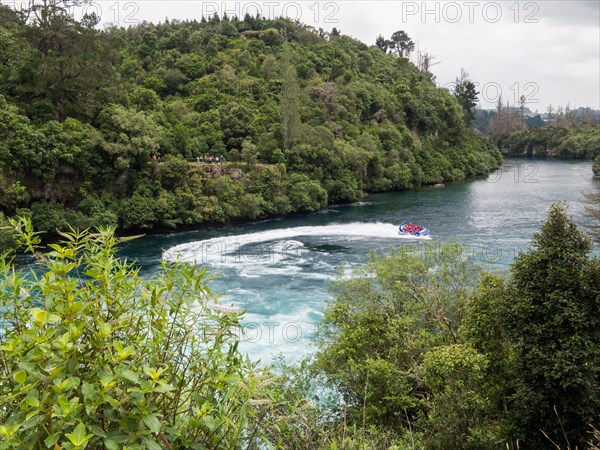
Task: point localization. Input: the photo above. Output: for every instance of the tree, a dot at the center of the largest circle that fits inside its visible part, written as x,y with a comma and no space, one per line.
592,210
382,44
392,336
95,356
570,116
305,194
505,121
425,62
129,136
466,94
193,89
290,97
550,111
402,44
70,64
553,320
249,154
522,103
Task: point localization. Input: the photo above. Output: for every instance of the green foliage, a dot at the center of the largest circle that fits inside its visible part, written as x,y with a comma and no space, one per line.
394,348
553,314
330,113
305,194
145,99
14,196
48,217
18,139
420,339
249,155
289,99
65,66
251,206
94,356
8,242
596,166
382,44
580,142
459,399
305,415
466,93
129,136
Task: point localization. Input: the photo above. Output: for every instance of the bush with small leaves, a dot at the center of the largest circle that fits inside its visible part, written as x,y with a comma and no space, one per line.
94,356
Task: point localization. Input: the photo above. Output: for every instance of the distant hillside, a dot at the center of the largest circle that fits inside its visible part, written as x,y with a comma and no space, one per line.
555,141
83,112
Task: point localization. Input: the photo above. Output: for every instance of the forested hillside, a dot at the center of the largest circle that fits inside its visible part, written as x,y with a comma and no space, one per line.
83,112
581,141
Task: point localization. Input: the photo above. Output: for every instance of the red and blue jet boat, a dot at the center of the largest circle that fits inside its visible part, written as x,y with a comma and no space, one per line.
410,229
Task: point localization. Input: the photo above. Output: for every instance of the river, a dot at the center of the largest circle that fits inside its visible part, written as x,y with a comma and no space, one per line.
280,270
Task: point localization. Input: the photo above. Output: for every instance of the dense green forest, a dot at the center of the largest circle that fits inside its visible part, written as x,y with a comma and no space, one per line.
566,133
580,142
304,119
420,349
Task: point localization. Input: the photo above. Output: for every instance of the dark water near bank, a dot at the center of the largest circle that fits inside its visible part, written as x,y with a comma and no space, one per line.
279,270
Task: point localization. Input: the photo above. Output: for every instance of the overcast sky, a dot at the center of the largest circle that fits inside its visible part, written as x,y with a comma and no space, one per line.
548,51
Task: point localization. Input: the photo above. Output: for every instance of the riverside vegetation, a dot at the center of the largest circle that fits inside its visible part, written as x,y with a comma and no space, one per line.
555,141
565,134
83,111
420,350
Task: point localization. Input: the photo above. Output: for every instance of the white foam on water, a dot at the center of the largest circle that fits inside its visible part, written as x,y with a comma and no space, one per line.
292,335
327,211
363,203
280,326
256,271
220,250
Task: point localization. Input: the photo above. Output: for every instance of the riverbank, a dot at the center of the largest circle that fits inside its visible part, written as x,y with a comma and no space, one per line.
180,195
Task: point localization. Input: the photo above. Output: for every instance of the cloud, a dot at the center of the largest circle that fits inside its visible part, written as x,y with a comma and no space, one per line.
548,51
577,12
554,45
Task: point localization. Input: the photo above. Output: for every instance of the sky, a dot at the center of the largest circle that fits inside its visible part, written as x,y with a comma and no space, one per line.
548,51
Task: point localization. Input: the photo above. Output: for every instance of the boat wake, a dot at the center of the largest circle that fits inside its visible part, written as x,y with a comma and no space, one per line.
284,240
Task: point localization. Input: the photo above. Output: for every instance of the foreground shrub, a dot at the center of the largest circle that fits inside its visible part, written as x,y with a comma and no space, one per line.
94,356
393,346
553,313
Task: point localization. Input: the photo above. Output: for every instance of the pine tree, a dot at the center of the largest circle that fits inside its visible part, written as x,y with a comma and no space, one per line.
466,94
553,319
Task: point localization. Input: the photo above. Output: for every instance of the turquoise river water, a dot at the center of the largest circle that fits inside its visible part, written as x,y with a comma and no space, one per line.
280,270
